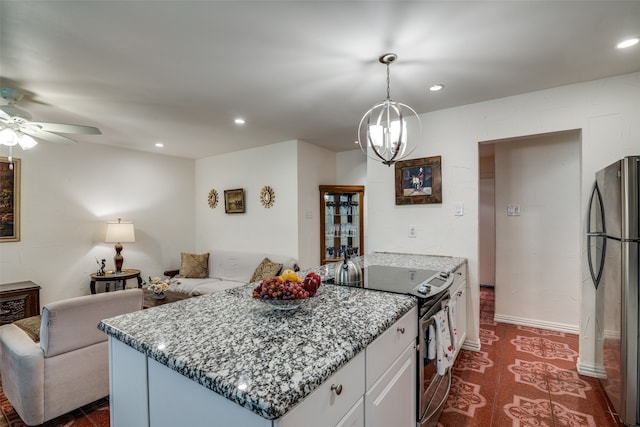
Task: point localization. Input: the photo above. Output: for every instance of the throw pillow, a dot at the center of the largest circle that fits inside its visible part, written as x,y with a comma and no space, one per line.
31,325
266,269
194,266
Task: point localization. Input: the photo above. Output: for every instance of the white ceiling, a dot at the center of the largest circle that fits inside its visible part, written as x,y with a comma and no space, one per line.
180,71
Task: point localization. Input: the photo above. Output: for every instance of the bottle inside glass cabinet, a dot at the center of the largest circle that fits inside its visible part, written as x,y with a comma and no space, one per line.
341,221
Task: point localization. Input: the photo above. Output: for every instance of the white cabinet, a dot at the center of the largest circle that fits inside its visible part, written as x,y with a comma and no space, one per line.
355,416
140,386
459,296
332,402
392,400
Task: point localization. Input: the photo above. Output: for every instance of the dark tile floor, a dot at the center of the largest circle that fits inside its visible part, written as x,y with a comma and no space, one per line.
523,377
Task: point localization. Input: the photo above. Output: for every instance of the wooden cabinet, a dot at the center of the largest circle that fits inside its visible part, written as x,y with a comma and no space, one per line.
459,296
341,221
18,301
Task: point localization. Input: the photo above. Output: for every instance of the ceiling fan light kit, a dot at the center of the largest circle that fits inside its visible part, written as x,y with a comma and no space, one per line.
382,133
16,127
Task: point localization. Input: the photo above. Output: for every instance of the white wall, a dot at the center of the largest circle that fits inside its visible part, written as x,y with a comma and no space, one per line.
538,251
605,110
351,168
316,166
69,192
273,230
486,216
294,169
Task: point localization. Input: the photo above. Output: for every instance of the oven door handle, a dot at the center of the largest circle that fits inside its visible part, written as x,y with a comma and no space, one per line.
426,418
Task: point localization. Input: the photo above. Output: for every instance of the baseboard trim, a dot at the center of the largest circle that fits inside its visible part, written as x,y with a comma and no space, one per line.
590,369
471,345
541,324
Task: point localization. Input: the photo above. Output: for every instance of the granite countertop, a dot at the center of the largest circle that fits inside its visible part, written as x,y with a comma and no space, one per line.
446,264
263,359
260,358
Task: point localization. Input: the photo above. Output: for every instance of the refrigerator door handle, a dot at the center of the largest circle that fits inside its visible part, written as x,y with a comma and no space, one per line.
596,199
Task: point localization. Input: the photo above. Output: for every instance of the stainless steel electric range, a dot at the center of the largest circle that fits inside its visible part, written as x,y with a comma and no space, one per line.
432,290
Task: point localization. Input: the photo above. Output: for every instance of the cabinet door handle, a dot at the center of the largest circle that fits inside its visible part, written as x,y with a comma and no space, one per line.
336,388
401,329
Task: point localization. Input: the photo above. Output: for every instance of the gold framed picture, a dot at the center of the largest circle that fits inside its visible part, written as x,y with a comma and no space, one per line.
234,201
419,181
9,200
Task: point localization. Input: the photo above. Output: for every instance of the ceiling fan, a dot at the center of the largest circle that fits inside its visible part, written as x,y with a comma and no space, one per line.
16,126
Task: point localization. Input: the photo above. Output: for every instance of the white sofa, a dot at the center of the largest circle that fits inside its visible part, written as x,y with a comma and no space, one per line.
227,269
69,367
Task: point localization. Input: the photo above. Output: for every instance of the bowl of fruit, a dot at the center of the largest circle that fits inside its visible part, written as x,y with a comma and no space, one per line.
287,291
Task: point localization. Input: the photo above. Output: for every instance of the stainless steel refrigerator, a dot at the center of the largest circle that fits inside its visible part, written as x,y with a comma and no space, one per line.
613,250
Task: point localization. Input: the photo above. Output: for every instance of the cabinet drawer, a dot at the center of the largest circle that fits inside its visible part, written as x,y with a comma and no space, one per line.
324,406
382,352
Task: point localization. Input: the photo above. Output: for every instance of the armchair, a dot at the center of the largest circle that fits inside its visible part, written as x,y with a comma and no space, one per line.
69,367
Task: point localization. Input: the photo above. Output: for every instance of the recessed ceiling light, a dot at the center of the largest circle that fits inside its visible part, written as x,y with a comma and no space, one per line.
436,87
159,144
239,121
628,42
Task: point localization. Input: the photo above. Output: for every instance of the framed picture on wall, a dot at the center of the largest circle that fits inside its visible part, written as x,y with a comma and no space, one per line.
418,181
234,201
9,200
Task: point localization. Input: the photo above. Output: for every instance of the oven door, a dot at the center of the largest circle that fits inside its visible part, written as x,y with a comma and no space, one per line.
433,389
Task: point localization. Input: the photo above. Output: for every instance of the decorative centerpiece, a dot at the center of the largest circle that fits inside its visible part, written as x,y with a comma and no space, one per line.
158,286
287,291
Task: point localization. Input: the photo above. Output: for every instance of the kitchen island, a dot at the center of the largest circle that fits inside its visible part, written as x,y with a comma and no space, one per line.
226,358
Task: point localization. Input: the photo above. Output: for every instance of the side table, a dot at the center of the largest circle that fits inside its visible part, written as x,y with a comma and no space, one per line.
18,300
109,277
171,296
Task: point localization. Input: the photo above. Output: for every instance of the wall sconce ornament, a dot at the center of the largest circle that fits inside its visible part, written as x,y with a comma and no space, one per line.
267,196
212,198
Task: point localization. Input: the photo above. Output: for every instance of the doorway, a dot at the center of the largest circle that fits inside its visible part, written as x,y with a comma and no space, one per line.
529,228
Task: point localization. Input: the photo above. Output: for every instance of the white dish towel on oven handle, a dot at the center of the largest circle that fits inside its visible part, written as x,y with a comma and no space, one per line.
444,348
450,308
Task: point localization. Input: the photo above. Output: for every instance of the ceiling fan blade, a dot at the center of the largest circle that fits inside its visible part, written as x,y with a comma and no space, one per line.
4,115
48,136
63,128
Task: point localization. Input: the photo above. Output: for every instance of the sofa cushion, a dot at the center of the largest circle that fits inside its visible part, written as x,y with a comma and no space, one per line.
194,266
31,325
265,269
186,286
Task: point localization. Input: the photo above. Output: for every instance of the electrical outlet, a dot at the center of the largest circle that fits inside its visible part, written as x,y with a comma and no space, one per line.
412,231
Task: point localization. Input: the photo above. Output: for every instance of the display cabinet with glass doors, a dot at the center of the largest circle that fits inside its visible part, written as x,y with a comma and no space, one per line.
341,222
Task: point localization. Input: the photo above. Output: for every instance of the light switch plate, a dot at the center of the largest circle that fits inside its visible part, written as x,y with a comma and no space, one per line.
459,209
513,210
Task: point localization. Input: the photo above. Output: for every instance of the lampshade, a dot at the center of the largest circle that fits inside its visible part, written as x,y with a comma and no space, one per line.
120,232
383,130
10,137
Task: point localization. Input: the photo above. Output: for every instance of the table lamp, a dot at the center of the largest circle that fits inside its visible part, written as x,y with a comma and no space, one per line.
119,232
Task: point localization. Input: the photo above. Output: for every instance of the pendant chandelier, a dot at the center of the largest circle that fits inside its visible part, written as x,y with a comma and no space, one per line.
382,133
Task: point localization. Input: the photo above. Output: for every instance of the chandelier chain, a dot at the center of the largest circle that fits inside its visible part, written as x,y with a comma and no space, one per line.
388,83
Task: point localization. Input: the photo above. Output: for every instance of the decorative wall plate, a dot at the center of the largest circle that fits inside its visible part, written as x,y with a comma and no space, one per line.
213,198
267,196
